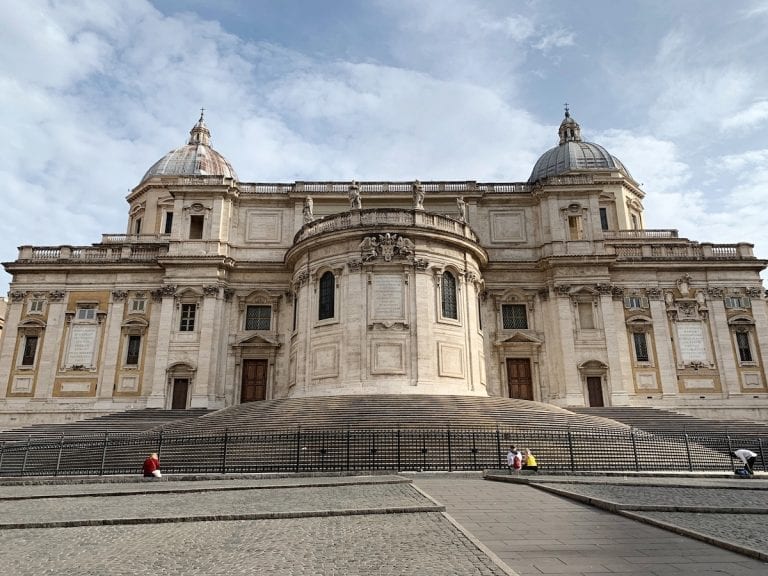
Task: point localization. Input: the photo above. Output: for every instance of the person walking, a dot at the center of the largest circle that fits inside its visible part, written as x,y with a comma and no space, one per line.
152,466
529,461
748,458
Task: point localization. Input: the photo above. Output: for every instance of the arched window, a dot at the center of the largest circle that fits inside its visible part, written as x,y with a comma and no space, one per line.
449,296
327,291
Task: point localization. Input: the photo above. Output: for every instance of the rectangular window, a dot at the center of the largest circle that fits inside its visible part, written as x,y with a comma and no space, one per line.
137,228
575,228
30,349
138,305
742,343
631,302
36,306
258,317
86,313
479,313
737,302
514,316
196,227
188,312
634,222
295,311
168,222
604,218
134,346
641,347
586,316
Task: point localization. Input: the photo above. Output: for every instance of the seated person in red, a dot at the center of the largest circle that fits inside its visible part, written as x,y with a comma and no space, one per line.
152,466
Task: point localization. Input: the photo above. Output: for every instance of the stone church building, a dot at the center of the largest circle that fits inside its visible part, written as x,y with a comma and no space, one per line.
221,292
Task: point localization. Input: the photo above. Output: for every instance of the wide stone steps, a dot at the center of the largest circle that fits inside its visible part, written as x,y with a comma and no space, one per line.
127,422
659,421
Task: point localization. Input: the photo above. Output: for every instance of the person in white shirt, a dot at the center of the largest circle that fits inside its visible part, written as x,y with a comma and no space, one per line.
747,457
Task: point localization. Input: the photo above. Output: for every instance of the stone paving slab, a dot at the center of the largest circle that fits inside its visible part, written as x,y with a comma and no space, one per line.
740,532
537,533
213,504
668,496
426,544
170,484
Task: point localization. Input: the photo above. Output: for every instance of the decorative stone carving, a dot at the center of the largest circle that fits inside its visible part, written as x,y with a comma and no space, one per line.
355,203
617,292
168,290
543,294
354,265
387,246
700,297
563,289
307,211
715,292
462,206
119,295
604,289
17,295
420,264
669,298
684,285
56,295
418,195
754,292
654,293
211,290
228,293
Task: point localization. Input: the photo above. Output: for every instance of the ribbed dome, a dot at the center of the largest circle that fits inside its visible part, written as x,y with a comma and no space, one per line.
196,158
572,154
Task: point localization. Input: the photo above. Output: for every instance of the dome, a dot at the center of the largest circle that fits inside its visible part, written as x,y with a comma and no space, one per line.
196,158
573,154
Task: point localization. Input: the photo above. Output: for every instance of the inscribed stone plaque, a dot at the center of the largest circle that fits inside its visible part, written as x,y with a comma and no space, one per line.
690,338
507,226
82,340
22,385
387,296
263,226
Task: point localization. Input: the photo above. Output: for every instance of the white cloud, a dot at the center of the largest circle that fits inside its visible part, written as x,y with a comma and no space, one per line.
751,117
556,39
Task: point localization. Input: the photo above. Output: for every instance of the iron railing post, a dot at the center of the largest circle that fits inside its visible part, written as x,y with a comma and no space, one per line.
450,459
160,444
26,454
730,451
298,448
634,448
104,453
570,450
2,447
498,446
224,451
58,457
347,447
759,444
688,452
399,465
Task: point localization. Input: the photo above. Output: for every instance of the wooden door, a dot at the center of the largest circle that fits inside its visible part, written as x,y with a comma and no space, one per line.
519,378
595,390
254,386
180,389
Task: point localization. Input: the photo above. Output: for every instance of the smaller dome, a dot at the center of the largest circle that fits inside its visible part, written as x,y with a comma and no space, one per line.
573,154
196,158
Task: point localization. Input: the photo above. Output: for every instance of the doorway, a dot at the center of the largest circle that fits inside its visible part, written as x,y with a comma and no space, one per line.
595,391
254,385
179,395
519,378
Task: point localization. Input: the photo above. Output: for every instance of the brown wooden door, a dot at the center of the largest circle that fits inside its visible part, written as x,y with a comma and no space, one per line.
254,381
595,390
519,378
179,398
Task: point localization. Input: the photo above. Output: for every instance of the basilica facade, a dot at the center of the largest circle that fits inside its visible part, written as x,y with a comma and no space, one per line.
221,292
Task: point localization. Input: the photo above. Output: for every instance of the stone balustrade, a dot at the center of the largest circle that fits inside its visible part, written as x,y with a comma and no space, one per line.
85,254
681,250
386,217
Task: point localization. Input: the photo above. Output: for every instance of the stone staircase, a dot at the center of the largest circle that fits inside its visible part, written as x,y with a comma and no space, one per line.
665,421
128,422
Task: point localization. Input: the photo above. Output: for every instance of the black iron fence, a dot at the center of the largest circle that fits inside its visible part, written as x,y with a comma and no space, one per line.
340,450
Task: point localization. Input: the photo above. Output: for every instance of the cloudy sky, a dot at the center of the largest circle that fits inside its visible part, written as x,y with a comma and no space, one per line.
92,92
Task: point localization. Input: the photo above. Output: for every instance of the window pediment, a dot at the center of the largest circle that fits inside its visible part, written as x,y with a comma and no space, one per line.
258,340
521,338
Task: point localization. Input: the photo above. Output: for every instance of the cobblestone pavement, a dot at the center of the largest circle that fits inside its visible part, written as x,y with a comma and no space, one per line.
639,495
742,529
425,544
538,533
110,485
227,502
